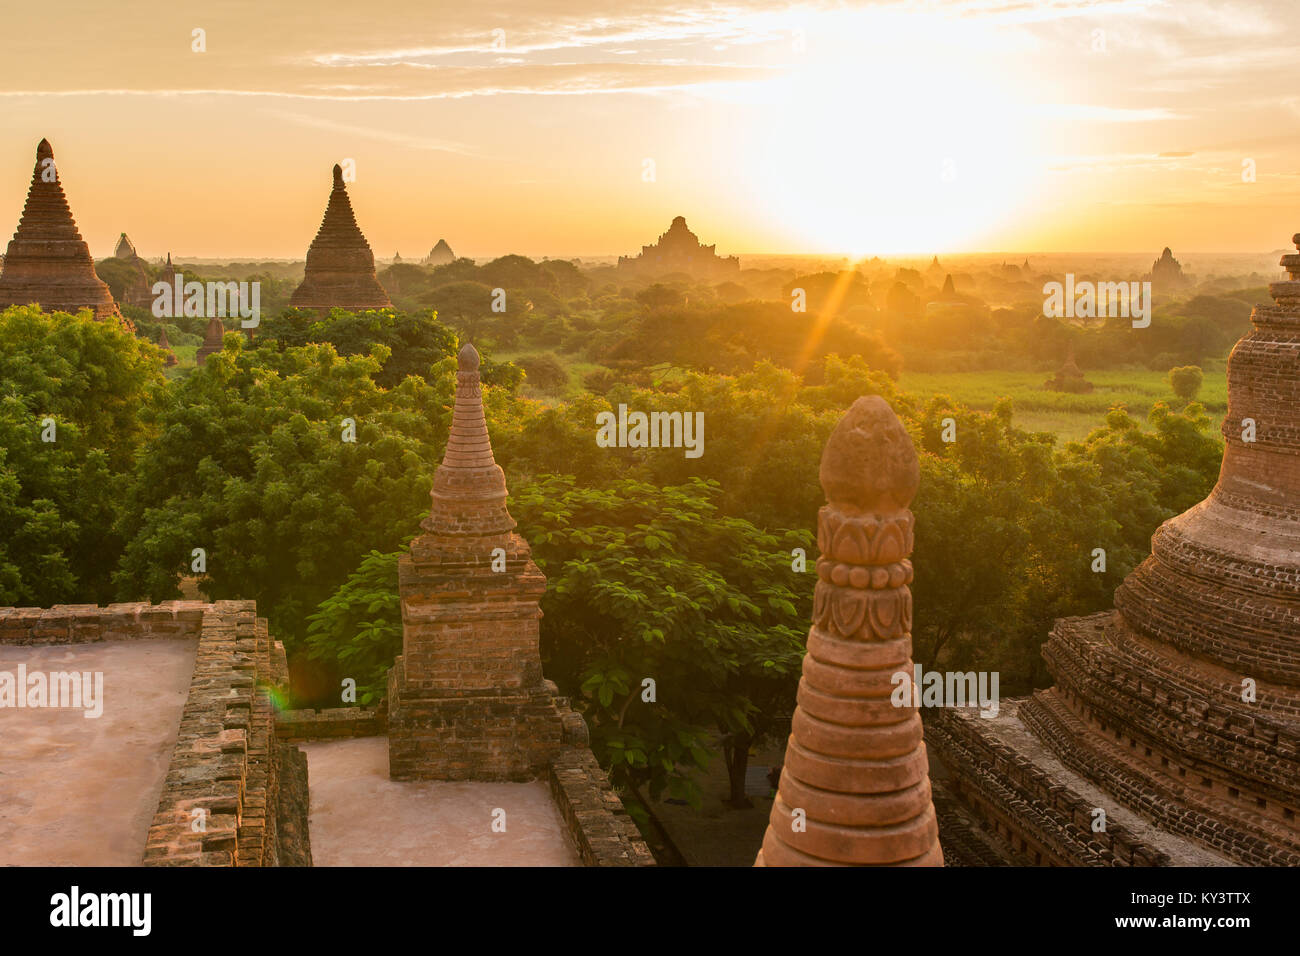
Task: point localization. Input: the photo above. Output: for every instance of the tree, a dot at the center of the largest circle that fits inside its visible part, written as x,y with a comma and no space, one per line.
72,392
254,462
358,629
1186,382
545,371
653,583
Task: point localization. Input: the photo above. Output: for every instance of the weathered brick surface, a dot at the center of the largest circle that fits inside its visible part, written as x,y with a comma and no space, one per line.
1041,820
602,832
227,761
86,623
334,723
467,699
1184,702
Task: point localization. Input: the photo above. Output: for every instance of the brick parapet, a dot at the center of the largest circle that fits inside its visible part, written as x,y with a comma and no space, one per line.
89,623
333,723
226,761
598,824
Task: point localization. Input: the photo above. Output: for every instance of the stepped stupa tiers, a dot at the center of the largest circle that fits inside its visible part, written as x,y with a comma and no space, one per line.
1181,705
440,254
340,269
855,787
679,250
48,262
466,699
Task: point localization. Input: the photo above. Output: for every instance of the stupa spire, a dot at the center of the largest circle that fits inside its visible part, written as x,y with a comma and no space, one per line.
47,261
469,487
340,271
467,699
855,787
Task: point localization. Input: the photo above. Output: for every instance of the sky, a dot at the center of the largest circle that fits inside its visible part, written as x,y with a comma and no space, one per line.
582,127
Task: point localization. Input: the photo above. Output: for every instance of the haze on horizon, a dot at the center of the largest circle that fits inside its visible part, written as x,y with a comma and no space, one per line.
818,128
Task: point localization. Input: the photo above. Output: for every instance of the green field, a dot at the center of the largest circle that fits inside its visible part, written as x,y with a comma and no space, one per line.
1067,415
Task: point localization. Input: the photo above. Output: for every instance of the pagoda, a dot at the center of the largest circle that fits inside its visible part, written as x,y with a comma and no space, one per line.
169,357
440,255
680,250
466,698
48,263
340,269
1167,272
213,338
125,248
1172,734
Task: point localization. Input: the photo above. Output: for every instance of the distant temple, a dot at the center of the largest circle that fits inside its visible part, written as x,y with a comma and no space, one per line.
340,269
213,340
139,290
1167,271
680,250
1172,733
48,263
169,357
125,249
440,254
1069,377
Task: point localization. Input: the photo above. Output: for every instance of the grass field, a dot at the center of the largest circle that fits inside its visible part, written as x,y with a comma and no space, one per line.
1067,415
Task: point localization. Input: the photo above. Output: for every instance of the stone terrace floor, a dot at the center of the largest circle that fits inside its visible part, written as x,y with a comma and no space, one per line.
78,791
361,818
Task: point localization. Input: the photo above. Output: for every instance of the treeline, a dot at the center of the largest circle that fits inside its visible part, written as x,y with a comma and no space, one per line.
659,564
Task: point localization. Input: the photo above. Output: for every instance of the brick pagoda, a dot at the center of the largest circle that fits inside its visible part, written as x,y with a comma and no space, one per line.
213,339
340,269
467,700
169,357
1179,710
48,262
855,787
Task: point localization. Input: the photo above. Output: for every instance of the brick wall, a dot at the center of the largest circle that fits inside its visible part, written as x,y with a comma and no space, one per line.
227,761
601,830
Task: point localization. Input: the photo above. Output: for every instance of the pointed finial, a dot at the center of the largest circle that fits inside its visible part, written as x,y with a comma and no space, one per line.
338,176
467,360
869,461
44,149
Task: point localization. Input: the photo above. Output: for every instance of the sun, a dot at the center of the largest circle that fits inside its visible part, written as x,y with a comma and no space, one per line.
891,135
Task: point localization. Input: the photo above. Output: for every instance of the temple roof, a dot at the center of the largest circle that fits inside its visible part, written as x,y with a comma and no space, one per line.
47,261
340,269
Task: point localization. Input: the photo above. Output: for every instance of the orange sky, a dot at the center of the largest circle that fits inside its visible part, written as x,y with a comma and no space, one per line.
872,128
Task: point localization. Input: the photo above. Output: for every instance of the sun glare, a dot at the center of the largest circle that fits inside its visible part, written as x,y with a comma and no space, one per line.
877,140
